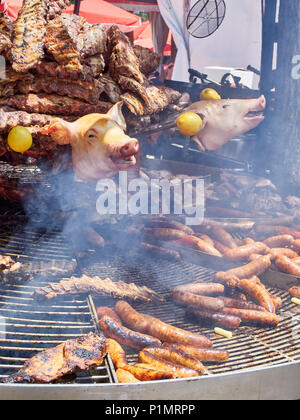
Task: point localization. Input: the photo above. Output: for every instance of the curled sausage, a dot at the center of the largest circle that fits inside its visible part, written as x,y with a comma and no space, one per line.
117,353
197,301
171,224
164,365
244,252
295,291
258,293
125,377
256,317
198,244
163,234
204,355
275,252
156,328
204,289
254,268
223,236
216,318
279,241
286,265
105,310
124,336
241,304
169,253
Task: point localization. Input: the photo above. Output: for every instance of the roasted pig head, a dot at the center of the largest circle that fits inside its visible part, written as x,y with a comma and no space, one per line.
225,119
100,147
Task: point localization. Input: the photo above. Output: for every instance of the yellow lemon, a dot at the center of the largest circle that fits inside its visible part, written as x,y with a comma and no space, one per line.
19,139
189,124
208,94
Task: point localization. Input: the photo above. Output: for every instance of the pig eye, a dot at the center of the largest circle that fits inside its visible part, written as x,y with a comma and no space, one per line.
226,106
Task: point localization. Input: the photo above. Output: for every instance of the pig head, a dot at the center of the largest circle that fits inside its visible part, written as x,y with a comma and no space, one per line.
225,119
100,147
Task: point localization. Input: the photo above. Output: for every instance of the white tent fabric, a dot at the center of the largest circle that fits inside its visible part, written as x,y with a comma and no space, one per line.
236,44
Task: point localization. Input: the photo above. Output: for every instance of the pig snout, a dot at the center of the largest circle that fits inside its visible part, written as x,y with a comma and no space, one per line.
130,148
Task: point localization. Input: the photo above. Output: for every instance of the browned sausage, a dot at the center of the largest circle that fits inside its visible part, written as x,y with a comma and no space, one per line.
197,301
117,354
241,304
279,241
244,252
223,236
105,310
286,265
163,234
275,252
124,336
177,357
220,247
171,224
294,233
258,293
216,318
226,279
150,374
295,291
296,260
296,245
198,244
161,251
94,238
256,317
204,355
161,364
276,299
254,257
207,239
254,268
204,289
125,377
159,329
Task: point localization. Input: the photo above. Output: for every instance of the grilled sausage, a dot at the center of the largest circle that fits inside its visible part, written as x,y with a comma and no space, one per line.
277,301
294,233
220,247
286,265
241,304
296,260
207,239
226,279
150,374
125,377
275,252
177,357
222,236
258,293
254,268
295,291
256,317
244,252
296,245
197,301
163,234
161,364
105,310
169,253
279,241
198,244
117,354
157,328
171,224
204,289
216,318
124,336
204,355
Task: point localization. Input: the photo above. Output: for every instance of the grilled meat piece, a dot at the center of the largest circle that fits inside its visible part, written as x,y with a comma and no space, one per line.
59,43
67,358
96,285
28,35
6,30
95,64
87,91
61,71
54,104
111,88
55,268
9,119
133,103
123,61
55,7
149,61
8,266
132,85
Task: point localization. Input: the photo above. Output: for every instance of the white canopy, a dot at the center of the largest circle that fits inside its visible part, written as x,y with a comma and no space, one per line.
236,44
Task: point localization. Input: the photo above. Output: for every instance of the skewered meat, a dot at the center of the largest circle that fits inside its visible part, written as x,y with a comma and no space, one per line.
54,104
87,91
29,35
149,61
66,359
96,285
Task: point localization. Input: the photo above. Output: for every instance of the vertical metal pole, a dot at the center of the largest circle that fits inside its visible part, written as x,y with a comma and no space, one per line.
77,7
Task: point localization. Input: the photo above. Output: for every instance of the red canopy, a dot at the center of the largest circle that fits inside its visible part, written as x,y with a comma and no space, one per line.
95,11
137,5
143,37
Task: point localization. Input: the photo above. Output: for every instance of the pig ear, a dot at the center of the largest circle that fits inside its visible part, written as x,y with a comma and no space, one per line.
59,131
115,113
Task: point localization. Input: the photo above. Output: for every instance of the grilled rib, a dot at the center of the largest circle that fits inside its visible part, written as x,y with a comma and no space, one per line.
96,285
9,119
28,36
67,358
148,60
61,71
54,104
